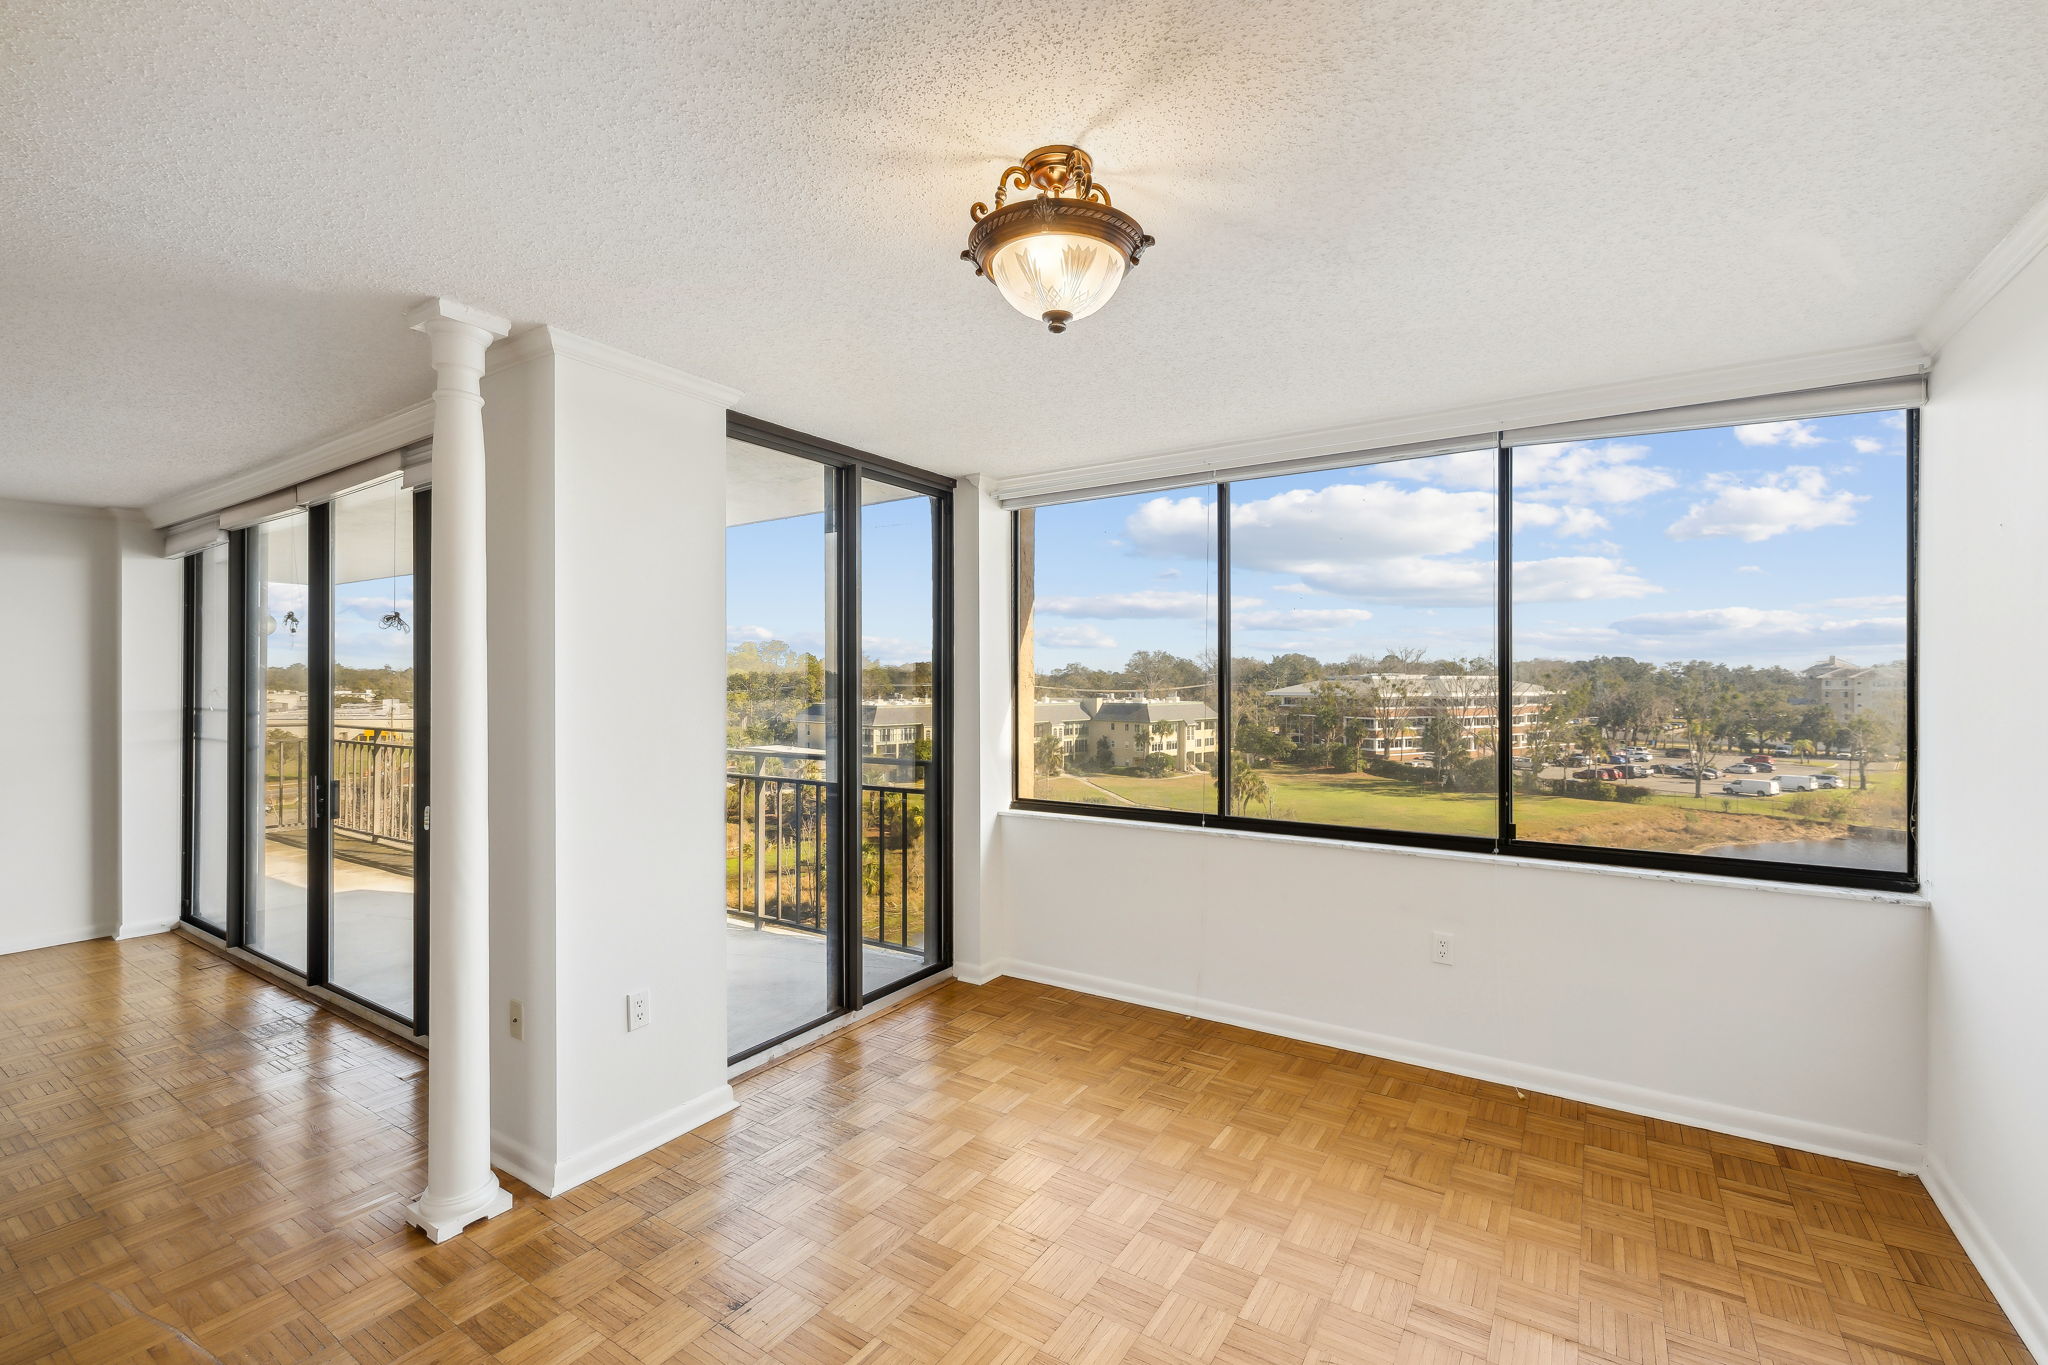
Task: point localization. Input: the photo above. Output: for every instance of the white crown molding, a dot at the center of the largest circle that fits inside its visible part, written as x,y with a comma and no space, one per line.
2013,253
1788,375
288,471
546,340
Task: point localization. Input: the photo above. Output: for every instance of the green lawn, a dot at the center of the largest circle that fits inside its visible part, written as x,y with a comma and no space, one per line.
1359,800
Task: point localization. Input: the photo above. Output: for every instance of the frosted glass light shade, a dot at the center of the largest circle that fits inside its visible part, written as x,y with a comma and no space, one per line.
1057,272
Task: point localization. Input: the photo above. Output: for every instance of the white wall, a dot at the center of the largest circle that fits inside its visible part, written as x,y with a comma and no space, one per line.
1983,574
607,506
60,811
151,652
981,718
1794,1016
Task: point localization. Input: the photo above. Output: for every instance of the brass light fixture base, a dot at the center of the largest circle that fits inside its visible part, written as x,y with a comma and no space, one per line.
1069,201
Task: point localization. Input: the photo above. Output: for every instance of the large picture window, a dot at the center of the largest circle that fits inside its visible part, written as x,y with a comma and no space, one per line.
1709,631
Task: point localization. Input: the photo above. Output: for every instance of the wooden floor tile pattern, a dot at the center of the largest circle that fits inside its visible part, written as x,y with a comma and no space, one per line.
197,1166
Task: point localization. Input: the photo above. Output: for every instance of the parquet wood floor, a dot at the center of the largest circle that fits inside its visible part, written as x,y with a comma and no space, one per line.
196,1166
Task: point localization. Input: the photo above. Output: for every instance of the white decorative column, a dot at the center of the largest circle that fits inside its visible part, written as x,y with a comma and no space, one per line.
461,1187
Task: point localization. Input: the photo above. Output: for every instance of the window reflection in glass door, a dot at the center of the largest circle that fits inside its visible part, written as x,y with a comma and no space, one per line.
281,767
370,784
209,636
781,733
899,733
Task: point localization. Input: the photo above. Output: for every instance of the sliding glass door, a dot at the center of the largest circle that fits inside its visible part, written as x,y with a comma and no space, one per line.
277,751
899,609
782,743
835,713
304,769
372,621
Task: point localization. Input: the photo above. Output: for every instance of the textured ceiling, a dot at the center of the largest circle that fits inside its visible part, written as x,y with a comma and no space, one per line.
215,213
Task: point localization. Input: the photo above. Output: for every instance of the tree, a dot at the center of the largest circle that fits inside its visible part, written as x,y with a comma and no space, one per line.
1247,785
1443,736
1870,736
1049,756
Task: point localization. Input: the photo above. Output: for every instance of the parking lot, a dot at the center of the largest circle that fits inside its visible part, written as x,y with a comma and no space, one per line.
1667,785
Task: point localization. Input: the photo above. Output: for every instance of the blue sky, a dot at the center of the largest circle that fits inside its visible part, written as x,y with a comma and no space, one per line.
1774,543
776,579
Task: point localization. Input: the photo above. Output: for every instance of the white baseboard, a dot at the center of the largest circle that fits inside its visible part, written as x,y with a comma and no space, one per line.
145,928
515,1158
1804,1134
979,973
518,1159
53,940
2022,1304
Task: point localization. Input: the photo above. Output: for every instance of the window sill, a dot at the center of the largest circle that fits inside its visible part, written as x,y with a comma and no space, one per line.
1848,893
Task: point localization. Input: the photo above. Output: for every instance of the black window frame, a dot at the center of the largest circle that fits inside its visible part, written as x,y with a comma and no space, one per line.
1503,842
847,992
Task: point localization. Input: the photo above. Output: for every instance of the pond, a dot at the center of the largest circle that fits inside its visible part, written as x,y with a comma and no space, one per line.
1876,855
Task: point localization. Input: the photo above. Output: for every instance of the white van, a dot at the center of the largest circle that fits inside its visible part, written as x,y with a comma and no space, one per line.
1808,782
1752,786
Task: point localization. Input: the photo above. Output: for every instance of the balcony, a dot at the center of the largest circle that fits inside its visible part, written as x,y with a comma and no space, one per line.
777,885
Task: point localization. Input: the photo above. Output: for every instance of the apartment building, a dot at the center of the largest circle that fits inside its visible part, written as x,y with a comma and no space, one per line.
1387,713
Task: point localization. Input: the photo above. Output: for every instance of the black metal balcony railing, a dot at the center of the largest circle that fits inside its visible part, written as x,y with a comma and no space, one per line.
373,787
775,854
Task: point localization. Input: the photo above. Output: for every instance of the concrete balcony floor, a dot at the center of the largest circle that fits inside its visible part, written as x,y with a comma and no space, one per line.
775,979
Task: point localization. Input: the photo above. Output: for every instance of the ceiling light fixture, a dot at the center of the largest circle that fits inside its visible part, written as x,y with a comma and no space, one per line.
1060,256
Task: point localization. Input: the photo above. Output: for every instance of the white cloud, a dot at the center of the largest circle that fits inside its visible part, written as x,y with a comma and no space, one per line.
1796,499
1735,634
1378,541
1073,637
735,635
1868,603
1575,473
1866,445
891,649
1578,578
1749,568
1779,434
1754,632
1565,520
1566,472
1300,618
1895,420
1147,603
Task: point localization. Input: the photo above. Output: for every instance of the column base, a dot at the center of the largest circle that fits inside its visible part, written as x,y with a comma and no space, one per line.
441,1221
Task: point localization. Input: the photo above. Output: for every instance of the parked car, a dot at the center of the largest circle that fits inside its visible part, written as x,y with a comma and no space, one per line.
1636,770
1781,750
1744,768
1574,760
1828,781
1419,763
1598,774
1520,761
1809,782
1678,753
1752,786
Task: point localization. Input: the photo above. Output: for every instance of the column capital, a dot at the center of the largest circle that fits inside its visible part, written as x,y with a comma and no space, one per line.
425,315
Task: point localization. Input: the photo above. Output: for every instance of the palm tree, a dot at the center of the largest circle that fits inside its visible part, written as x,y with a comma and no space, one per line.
1247,785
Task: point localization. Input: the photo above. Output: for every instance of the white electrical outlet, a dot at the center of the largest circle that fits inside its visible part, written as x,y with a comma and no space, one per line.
518,1020
636,1011
1440,949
